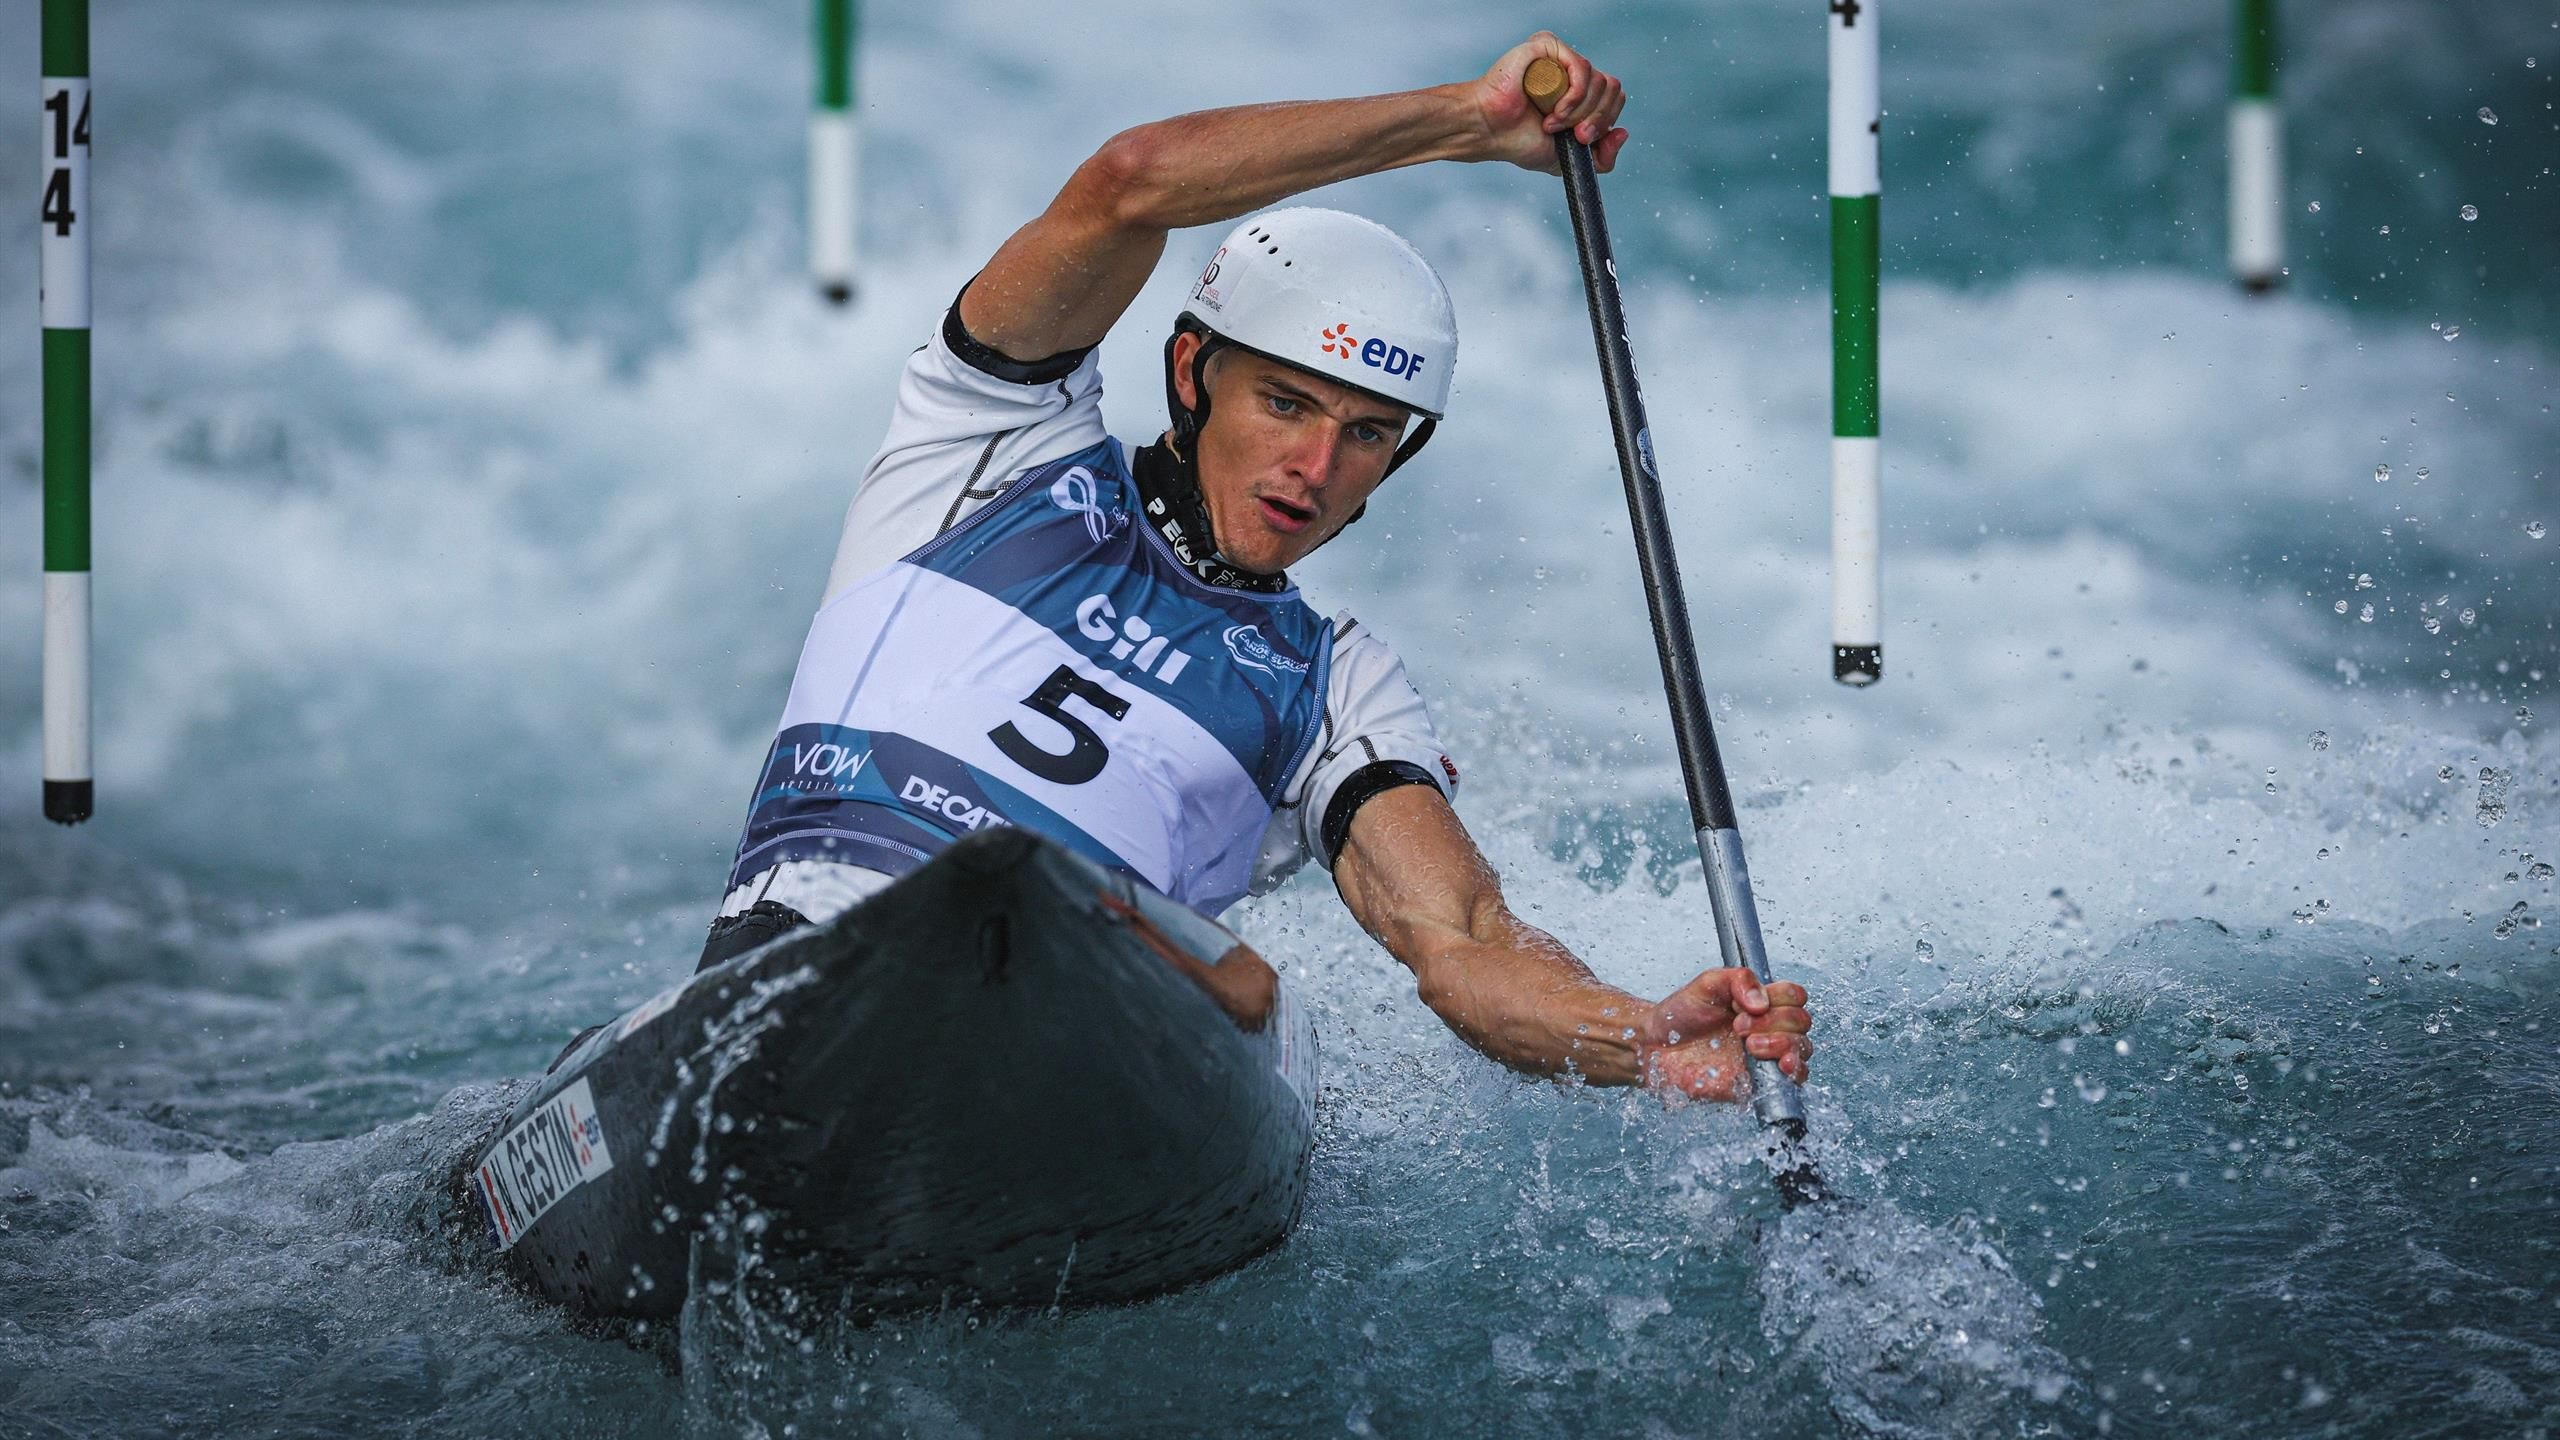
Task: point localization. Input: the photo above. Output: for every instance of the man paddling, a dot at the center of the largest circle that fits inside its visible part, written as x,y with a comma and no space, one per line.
1027,625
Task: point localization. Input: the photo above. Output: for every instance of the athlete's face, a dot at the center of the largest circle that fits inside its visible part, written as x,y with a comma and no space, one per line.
1287,457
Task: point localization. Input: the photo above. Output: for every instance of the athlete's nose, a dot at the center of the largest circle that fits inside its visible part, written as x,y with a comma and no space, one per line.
1316,455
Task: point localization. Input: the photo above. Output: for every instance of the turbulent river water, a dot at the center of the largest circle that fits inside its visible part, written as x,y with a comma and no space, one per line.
470,451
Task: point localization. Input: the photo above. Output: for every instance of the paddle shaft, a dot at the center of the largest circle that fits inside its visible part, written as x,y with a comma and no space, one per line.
1774,1097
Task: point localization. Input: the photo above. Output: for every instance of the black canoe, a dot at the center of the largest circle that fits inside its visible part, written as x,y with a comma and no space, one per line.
1012,1078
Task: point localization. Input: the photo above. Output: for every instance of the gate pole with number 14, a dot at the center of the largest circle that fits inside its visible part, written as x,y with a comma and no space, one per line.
62,257
1774,1097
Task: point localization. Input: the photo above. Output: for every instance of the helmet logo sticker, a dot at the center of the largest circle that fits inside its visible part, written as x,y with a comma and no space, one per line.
1341,335
1394,359
1207,290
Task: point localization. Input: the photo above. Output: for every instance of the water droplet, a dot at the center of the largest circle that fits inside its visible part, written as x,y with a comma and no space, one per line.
2364,582
2124,1047
2528,62
2434,625
2488,116
2381,473
2090,1090
2319,739
2493,796
2340,607
1925,951
2315,207
2524,714
2422,470
2445,773
2366,614
2540,870
2470,212
2386,229
2453,332
2468,616
2534,529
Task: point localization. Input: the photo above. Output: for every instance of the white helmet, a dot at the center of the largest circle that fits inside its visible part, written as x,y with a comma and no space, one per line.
1335,294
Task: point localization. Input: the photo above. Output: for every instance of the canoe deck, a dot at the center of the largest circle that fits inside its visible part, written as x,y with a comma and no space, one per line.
1012,1078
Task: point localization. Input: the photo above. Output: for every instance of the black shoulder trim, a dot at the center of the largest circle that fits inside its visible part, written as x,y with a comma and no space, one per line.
1366,784
986,359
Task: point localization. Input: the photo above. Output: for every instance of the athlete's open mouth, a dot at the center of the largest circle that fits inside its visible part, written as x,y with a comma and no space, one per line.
1285,516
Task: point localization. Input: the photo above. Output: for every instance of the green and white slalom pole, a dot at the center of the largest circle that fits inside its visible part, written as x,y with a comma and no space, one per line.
1857,457
2257,154
835,153
62,261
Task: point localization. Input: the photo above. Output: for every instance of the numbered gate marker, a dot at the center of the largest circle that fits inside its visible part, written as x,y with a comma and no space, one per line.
62,255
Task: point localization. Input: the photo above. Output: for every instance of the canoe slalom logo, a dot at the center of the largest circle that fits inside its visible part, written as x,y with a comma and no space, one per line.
1252,652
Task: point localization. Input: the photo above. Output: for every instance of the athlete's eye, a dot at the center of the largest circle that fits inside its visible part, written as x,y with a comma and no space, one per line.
1368,434
1283,405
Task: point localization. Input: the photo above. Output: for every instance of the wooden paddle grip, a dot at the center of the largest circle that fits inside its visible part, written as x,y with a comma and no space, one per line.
1543,83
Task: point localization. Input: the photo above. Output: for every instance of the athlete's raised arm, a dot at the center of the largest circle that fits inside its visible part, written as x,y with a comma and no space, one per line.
1417,882
1062,280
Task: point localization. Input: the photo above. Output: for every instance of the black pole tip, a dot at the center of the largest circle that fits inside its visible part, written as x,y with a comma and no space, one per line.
1857,664
2261,284
68,802
837,292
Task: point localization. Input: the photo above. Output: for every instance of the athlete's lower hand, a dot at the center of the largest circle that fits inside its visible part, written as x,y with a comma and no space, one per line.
1694,1042
1515,131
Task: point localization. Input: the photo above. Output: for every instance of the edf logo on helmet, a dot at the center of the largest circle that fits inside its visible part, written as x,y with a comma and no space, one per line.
1375,353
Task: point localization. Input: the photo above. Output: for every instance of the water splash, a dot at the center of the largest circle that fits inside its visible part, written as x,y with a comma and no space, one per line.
1913,1332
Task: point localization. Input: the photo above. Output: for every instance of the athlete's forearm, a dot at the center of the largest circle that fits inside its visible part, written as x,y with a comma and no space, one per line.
1217,165
1520,997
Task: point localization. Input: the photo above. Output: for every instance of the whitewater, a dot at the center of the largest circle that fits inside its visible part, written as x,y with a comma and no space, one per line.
470,452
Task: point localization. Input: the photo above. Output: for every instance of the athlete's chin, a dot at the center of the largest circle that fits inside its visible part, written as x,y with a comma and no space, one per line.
1269,553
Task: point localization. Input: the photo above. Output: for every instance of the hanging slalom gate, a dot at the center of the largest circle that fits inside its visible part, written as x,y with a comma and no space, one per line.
1857,459
835,153
2257,152
63,267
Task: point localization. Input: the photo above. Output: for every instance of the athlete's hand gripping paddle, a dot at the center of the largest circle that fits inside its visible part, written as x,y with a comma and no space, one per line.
1774,1097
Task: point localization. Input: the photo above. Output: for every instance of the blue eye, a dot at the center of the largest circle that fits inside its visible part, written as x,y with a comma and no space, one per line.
1283,405
1368,434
